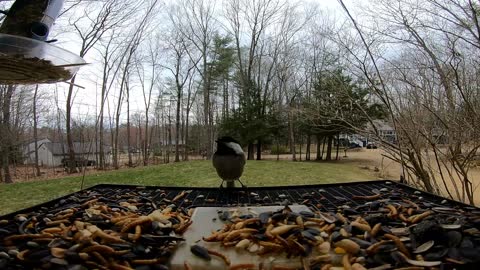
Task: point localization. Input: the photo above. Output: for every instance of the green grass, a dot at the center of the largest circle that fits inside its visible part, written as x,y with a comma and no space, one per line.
193,174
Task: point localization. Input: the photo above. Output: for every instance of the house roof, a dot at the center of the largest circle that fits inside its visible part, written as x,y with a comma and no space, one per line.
382,125
30,141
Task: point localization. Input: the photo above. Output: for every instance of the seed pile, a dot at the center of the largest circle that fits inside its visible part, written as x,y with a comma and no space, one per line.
362,226
389,233
16,69
95,234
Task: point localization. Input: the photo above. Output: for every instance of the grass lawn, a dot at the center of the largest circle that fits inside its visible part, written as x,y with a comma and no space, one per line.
193,173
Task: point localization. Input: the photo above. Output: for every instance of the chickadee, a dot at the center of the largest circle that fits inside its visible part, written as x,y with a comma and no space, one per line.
229,161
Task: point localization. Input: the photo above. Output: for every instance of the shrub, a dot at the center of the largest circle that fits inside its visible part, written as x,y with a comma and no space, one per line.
281,149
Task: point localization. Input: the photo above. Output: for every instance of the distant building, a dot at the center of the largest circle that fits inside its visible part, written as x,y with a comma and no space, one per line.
352,140
52,153
385,131
165,143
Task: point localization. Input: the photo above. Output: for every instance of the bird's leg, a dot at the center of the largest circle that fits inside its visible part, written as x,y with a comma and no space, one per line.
243,186
221,185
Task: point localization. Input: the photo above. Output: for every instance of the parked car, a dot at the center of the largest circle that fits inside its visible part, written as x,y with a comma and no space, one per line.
371,145
354,145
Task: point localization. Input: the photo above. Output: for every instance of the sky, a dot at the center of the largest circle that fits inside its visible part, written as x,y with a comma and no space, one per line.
85,101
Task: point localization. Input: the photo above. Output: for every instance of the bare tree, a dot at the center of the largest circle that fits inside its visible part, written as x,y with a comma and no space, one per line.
133,43
127,96
111,60
91,29
130,51
195,21
181,70
6,140
152,59
256,17
426,88
35,131
191,95
288,69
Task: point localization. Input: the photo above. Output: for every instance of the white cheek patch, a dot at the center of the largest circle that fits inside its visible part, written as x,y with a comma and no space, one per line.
236,147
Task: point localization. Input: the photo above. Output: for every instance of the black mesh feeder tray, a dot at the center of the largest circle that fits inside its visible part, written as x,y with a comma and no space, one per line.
361,225
29,61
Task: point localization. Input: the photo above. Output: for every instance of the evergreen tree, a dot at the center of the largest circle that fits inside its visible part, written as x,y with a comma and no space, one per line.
338,105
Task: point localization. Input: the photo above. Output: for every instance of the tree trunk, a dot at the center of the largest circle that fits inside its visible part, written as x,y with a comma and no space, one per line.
259,150
59,128
5,163
182,134
338,145
169,138
140,141
225,97
71,151
150,138
112,138
307,151
319,152
278,150
163,133
146,144
101,142
301,144
185,157
251,148
177,125
129,152
206,102
329,148
116,164
7,140
95,139
35,131
323,145
291,136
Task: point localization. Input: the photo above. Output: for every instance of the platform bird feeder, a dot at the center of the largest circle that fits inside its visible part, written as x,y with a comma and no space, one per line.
26,57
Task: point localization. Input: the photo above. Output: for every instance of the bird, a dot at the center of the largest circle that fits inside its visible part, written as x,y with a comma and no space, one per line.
229,161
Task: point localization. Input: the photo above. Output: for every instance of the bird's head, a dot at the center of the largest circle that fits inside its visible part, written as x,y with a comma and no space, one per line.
226,139
228,144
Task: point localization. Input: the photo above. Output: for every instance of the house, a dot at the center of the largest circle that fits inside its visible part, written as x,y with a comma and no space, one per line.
171,144
52,153
385,131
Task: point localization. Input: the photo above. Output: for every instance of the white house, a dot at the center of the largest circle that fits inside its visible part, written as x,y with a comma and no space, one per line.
52,153
385,130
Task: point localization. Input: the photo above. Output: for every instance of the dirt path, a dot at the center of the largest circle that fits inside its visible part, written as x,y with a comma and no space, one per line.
384,168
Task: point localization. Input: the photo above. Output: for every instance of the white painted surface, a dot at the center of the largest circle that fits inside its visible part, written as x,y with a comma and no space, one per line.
203,225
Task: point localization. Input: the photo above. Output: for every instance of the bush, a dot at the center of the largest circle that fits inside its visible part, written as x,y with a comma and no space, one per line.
157,153
281,149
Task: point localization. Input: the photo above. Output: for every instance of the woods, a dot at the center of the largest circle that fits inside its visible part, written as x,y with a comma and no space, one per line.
167,78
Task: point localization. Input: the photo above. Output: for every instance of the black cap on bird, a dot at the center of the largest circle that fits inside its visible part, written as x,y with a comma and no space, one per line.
229,161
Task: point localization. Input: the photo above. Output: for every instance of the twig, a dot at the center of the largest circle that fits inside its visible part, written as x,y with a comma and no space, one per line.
79,86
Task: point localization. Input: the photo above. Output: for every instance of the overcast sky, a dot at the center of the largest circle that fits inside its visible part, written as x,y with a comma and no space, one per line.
86,99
